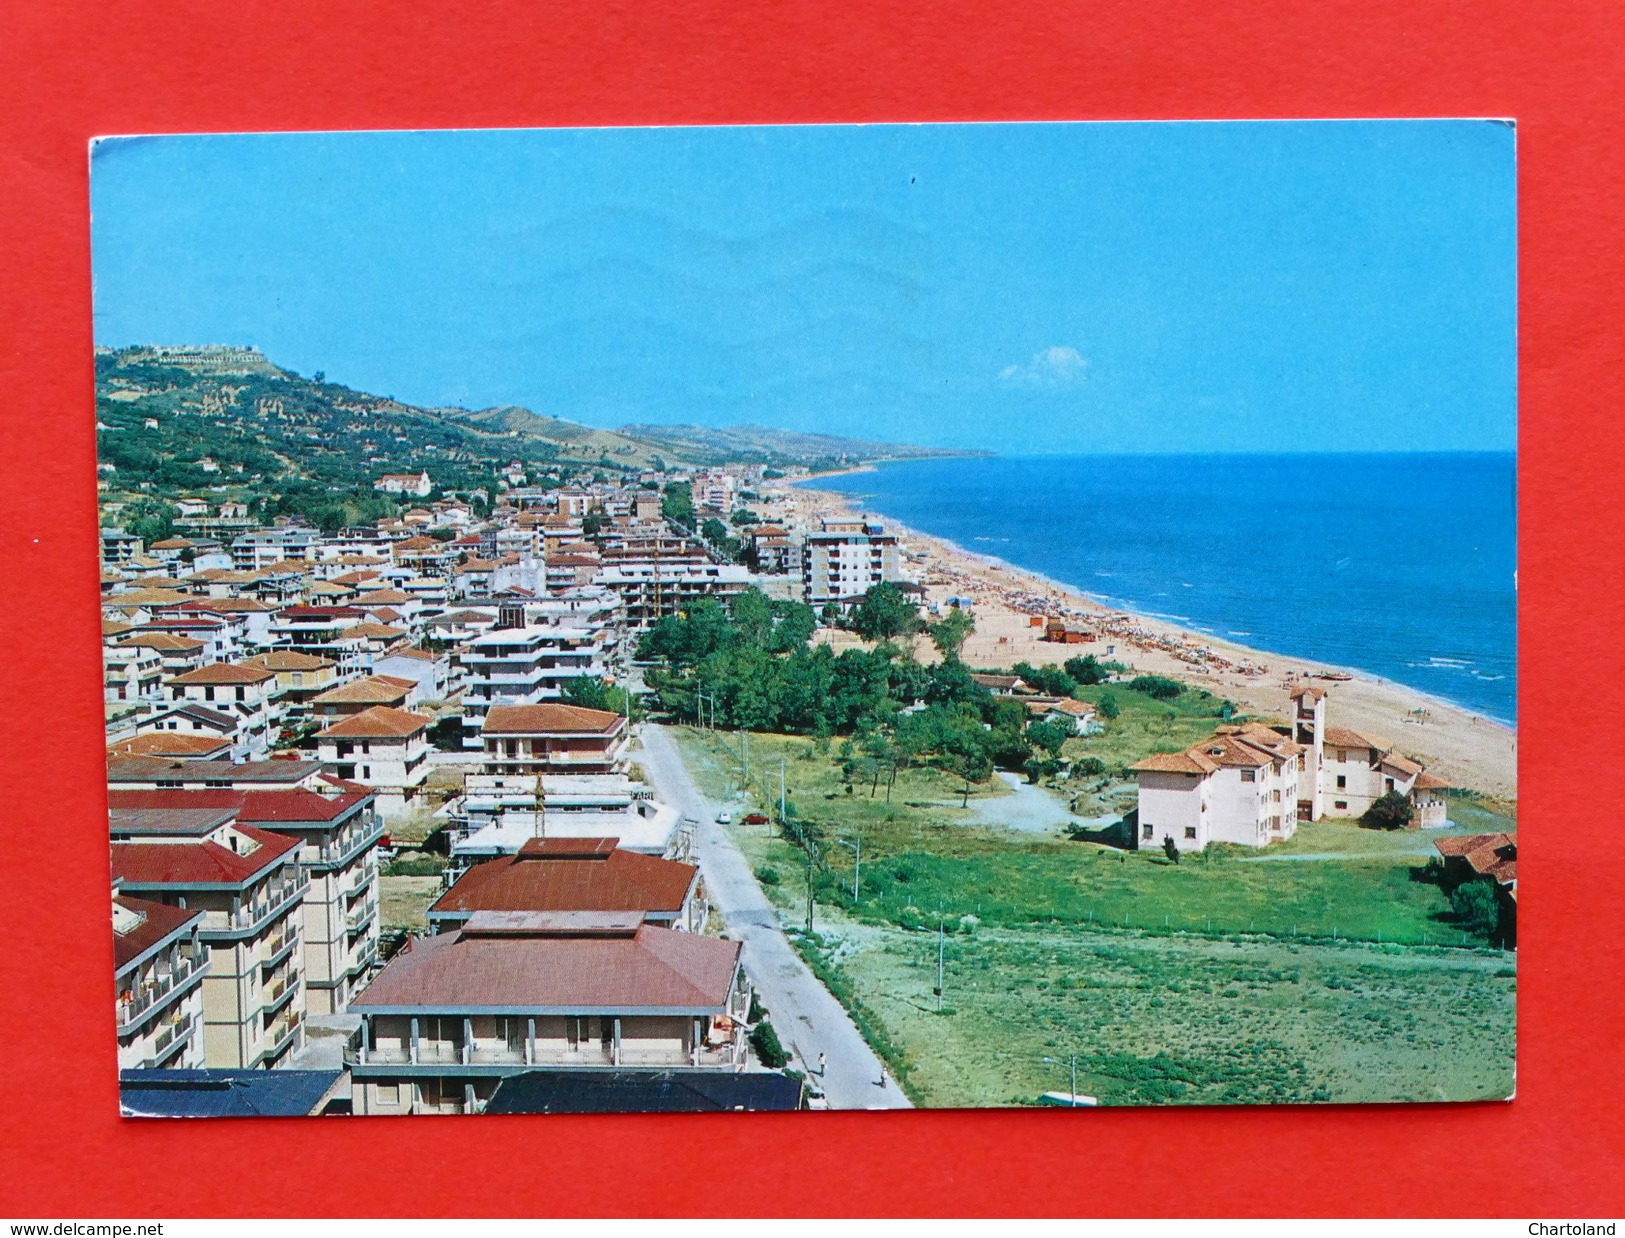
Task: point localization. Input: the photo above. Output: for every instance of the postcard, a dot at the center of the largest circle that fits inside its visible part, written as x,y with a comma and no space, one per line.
809,617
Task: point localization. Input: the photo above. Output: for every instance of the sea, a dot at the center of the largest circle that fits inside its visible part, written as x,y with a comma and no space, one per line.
1400,565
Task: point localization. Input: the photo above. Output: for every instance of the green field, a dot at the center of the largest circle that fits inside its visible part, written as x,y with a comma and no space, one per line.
1225,978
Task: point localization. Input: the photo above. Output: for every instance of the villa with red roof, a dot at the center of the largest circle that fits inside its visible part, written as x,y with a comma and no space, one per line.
242,692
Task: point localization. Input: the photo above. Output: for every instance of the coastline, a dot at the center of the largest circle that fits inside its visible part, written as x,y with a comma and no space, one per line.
1472,750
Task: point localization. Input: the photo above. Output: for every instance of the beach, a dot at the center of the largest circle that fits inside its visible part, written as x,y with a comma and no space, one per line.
1472,751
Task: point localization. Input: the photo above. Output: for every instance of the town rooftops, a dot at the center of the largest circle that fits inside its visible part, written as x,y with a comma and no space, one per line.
219,1093
271,773
379,722
297,806
144,925
652,970
551,718
170,744
198,862
222,673
569,874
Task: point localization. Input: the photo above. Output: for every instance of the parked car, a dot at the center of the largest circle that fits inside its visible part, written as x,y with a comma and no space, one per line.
725,817
755,818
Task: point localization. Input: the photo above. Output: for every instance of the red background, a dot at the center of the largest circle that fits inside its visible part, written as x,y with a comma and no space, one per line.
70,69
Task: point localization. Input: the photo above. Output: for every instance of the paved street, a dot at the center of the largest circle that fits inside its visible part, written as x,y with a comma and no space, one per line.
806,1016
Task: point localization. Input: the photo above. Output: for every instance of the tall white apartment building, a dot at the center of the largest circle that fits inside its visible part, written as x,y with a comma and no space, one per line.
845,558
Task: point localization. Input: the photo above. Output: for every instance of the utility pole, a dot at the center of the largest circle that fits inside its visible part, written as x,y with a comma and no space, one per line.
857,861
809,847
781,790
941,939
744,739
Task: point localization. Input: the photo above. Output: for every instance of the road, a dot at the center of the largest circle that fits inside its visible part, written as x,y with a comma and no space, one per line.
808,1019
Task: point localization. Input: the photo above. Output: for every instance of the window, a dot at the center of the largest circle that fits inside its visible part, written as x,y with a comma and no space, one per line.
1342,754
1341,804
1146,832
1390,783
1342,781
1190,831
1248,775
389,1094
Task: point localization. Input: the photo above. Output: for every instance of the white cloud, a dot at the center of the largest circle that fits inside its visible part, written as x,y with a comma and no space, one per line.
1056,366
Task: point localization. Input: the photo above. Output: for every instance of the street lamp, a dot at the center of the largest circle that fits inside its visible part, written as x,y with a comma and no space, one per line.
1072,1097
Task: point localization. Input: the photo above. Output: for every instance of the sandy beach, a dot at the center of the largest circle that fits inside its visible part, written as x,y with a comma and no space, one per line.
1472,751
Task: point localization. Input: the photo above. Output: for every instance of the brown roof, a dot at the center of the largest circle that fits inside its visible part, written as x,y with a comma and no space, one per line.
1462,844
1174,763
1342,737
286,660
419,655
550,717
163,640
169,744
651,969
222,672
419,543
381,597
147,597
154,922
379,630
1403,765
1427,780
1314,694
112,627
289,805
381,721
576,874
227,606
374,689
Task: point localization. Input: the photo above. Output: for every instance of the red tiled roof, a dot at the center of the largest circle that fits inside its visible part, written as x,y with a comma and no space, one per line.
1174,763
550,717
169,744
287,660
223,672
163,641
379,721
157,921
1462,844
199,863
1342,737
375,689
296,804
651,969
576,874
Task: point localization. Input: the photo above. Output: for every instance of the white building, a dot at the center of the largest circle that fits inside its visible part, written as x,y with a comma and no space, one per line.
845,558
1345,771
526,666
382,748
1238,786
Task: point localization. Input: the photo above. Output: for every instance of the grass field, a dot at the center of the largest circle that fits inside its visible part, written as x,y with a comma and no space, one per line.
404,901
1226,986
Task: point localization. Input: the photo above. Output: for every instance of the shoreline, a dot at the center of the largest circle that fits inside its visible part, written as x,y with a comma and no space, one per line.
1473,749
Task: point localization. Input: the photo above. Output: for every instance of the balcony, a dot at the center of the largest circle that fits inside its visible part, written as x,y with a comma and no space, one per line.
172,1039
280,946
250,919
360,880
152,993
281,1033
280,993
358,919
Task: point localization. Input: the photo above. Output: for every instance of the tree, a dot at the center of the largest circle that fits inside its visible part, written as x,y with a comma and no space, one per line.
830,615
950,632
1050,736
677,504
1087,670
1475,906
1170,848
1390,811
1107,706
885,612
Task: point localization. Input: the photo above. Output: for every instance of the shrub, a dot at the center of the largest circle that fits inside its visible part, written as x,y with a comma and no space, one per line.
1157,687
416,865
767,875
766,1043
1089,767
1391,811
1107,706
1474,904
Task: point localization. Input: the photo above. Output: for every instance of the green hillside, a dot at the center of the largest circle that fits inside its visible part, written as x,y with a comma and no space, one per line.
766,445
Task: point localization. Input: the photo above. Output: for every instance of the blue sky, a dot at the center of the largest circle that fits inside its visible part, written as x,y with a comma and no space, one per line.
1024,288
